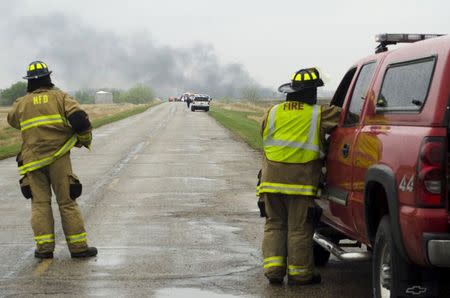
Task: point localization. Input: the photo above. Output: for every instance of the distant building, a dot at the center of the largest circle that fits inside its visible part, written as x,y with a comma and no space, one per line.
103,97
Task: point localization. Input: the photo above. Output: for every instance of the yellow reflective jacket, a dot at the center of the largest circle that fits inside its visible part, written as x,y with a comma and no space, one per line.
41,116
300,178
292,133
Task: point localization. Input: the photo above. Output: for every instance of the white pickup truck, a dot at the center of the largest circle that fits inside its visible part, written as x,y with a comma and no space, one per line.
200,102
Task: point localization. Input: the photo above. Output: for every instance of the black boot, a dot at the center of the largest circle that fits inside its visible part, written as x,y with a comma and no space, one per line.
316,279
43,255
276,281
89,252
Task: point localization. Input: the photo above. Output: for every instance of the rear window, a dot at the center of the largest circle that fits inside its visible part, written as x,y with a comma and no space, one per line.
202,99
405,86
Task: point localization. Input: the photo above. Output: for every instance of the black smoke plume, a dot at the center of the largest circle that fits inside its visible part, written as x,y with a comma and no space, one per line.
83,57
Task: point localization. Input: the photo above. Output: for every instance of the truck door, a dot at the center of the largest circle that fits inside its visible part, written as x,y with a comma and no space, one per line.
339,163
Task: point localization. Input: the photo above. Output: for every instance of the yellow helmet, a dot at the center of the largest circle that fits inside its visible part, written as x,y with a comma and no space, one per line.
302,79
37,69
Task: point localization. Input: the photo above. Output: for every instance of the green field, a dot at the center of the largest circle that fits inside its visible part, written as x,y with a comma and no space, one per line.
9,150
119,116
245,124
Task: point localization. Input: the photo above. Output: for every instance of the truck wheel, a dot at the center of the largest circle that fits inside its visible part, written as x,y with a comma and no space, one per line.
392,275
321,255
382,269
192,109
207,110
386,275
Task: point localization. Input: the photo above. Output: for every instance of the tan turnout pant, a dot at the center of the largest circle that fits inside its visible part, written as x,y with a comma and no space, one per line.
288,242
56,176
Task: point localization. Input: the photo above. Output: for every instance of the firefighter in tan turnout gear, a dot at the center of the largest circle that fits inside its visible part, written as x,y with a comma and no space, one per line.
51,123
293,135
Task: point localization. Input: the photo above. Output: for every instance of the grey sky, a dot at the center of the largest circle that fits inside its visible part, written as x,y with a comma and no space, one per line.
269,39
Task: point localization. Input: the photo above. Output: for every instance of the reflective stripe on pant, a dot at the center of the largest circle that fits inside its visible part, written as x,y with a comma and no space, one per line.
43,239
56,176
276,261
287,234
299,272
77,238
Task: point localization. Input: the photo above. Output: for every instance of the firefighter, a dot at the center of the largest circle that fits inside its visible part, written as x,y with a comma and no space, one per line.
188,100
51,124
293,135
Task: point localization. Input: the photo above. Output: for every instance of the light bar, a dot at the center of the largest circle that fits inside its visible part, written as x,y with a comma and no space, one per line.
389,38
428,36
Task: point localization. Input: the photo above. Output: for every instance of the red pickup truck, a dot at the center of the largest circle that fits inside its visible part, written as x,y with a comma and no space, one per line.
387,181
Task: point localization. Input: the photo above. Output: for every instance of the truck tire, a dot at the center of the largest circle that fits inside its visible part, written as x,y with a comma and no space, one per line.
192,109
392,275
207,110
321,255
383,273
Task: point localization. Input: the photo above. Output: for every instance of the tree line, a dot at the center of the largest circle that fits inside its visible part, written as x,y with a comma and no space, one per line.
137,94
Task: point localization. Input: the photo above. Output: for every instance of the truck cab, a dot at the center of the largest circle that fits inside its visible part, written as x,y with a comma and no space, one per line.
387,164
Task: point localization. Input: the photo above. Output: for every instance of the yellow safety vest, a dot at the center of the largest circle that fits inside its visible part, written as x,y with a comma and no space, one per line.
292,135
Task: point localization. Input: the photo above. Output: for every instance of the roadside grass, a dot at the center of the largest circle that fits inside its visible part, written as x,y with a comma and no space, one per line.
244,118
10,141
9,150
119,116
241,120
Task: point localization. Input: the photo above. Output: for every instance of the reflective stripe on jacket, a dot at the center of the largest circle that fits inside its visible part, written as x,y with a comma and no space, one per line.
42,120
292,133
289,189
35,165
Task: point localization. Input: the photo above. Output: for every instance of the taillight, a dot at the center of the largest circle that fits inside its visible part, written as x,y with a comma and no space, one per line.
431,172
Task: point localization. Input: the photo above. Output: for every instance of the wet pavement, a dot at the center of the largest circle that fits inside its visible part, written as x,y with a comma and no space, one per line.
169,202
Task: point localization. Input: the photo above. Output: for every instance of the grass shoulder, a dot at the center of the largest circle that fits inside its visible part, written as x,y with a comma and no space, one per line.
121,115
242,119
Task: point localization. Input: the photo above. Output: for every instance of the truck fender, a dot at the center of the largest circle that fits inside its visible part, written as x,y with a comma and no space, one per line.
384,176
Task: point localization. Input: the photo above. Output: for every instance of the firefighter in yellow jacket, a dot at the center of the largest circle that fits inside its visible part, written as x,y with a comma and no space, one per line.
51,123
293,134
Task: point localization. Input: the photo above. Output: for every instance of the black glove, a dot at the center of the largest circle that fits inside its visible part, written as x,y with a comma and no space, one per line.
261,204
262,207
313,216
75,187
25,187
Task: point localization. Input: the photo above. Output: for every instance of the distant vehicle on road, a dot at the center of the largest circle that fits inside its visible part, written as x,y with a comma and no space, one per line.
171,99
185,96
200,102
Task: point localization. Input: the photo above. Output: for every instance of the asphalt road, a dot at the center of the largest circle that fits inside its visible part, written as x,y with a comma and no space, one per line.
169,202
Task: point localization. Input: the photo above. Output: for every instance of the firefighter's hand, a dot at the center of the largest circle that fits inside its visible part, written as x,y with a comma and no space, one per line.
85,139
80,145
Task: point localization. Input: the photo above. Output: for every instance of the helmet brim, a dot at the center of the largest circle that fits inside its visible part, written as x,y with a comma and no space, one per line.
287,88
37,76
